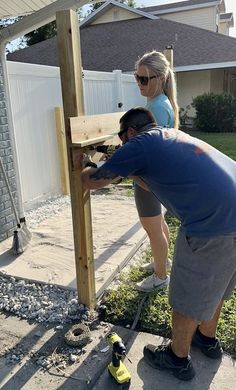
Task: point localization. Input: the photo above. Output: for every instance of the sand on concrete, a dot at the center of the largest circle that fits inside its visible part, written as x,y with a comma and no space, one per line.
49,257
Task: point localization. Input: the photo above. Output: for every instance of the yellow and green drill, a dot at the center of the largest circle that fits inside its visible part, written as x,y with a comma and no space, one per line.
117,368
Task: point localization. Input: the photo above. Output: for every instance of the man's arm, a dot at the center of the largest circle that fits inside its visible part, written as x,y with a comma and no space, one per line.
93,178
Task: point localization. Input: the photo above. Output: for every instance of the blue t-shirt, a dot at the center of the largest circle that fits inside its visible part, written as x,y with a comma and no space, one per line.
162,110
193,180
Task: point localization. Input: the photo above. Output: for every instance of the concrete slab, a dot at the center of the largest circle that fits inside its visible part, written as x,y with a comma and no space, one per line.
15,334
50,255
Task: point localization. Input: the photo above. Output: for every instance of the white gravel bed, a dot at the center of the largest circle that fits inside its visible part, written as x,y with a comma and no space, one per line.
46,209
42,303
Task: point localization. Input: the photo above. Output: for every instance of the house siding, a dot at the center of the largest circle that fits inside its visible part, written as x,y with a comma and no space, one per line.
190,85
223,28
217,81
202,18
116,14
7,220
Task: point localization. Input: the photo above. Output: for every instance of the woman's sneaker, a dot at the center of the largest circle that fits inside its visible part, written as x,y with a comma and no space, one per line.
161,358
149,267
210,348
152,283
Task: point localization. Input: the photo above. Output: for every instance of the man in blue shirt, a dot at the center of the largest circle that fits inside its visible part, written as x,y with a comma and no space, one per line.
197,183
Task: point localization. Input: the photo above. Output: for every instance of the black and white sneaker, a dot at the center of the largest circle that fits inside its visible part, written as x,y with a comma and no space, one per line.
160,357
210,348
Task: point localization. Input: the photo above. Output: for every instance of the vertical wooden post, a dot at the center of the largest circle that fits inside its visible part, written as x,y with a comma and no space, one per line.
168,52
73,104
61,142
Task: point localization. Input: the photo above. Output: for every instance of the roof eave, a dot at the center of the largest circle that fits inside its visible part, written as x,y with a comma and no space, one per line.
186,8
209,66
109,4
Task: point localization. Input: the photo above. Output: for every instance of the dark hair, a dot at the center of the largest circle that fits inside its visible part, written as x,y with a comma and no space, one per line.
137,117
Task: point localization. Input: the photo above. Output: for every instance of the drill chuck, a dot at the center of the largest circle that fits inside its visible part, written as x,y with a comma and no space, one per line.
107,149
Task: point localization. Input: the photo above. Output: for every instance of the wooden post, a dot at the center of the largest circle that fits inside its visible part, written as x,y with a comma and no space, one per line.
73,104
61,142
168,52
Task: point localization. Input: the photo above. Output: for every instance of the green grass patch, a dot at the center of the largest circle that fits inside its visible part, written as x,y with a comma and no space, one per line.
225,142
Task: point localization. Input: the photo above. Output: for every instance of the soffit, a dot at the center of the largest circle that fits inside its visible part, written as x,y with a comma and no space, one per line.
10,8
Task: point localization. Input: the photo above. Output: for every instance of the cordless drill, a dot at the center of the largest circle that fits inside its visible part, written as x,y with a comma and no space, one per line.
117,368
108,150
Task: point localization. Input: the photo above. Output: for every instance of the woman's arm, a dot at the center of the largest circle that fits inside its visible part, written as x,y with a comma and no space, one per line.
140,182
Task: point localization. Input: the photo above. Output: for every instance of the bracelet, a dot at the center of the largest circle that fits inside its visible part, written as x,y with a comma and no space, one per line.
91,164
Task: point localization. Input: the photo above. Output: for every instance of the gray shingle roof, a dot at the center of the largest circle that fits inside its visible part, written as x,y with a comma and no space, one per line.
110,46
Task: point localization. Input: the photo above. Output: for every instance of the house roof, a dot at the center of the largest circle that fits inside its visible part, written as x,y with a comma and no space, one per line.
110,46
183,5
111,3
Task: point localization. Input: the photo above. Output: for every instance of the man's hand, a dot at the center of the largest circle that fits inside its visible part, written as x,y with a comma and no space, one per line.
81,160
86,161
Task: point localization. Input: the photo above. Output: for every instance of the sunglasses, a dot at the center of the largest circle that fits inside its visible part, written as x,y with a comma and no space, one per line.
144,80
121,132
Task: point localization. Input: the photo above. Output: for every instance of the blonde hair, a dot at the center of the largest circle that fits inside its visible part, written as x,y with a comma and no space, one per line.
158,63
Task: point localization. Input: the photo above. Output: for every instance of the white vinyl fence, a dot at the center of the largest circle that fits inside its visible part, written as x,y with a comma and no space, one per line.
35,91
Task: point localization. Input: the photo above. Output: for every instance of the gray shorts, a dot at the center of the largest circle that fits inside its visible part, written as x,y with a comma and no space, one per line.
146,203
203,274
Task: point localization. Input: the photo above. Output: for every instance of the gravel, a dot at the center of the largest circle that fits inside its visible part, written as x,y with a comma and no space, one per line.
43,303
44,210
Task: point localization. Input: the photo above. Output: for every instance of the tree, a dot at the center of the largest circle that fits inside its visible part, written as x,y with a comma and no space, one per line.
41,33
44,32
16,43
130,3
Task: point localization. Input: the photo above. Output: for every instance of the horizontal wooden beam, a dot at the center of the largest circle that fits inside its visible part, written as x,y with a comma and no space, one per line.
94,126
93,141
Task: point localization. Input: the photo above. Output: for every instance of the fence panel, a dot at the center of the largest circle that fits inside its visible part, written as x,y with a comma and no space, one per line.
35,91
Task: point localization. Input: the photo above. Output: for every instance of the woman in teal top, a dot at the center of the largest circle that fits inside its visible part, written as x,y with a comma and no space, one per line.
162,110
156,81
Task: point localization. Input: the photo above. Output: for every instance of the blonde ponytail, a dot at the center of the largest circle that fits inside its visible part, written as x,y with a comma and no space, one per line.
170,90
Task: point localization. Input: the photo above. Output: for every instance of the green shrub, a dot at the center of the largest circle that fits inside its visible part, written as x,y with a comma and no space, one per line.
215,112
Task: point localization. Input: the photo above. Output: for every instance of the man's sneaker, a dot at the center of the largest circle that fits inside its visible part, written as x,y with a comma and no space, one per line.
152,283
212,348
149,267
160,357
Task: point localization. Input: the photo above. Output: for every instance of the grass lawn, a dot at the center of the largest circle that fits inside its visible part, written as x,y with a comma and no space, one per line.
155,317
225,142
